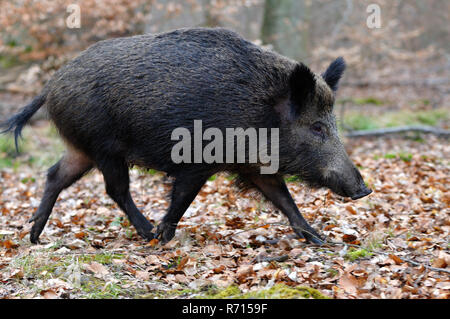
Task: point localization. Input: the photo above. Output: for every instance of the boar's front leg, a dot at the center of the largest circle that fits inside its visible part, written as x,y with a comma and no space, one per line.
117,182
184,190
274,188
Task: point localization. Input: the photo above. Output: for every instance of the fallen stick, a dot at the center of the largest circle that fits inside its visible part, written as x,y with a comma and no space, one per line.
401,129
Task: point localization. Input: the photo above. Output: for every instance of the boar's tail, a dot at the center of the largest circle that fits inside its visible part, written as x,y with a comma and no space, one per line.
18,121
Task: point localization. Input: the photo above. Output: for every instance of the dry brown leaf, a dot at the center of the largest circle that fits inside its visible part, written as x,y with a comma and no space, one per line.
348,238
442,261
348,283
182,263
244,271
80,235
96,268
396,259
142,275
350,209
49,294
9,244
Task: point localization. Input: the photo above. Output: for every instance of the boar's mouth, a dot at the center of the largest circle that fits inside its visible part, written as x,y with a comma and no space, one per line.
348,183
362,194
344,188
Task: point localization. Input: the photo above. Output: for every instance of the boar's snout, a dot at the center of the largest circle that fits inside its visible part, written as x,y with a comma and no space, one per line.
354,186
361,190
364,192
348,183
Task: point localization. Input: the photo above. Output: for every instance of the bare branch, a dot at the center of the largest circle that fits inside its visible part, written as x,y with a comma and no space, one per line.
401,129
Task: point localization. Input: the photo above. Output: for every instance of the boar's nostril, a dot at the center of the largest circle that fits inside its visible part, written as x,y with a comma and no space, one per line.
362,194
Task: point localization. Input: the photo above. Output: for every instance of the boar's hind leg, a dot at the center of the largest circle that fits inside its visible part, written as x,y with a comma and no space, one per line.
184,190
274,188
67,171
117,181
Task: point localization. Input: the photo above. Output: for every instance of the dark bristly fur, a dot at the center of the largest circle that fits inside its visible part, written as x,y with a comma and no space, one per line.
117,103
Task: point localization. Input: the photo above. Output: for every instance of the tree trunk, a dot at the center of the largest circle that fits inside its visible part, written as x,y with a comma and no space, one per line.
285,27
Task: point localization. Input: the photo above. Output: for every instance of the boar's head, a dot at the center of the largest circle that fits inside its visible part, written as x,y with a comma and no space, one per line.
310,146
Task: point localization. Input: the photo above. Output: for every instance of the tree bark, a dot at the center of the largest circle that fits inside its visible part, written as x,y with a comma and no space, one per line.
285,27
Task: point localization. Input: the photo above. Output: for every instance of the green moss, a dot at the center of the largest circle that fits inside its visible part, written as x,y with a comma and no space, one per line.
166,294
96,288
354,254
226,293
333,272
432,118
362,101
8,61
7,145
42,268
278,291
368,100
360,122
406,157
103,258
281,291
6,162
27,180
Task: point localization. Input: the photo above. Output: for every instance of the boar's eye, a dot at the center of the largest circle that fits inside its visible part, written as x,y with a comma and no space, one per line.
318,129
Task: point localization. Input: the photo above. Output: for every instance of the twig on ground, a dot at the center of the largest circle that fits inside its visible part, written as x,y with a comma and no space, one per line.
271,258
401,129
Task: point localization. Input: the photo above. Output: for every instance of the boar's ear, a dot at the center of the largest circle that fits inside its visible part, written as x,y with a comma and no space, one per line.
302,85
334,73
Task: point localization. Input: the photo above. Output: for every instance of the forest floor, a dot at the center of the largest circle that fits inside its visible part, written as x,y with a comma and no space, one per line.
229,244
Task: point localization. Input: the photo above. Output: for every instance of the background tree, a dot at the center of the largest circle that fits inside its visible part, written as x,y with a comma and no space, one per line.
285,27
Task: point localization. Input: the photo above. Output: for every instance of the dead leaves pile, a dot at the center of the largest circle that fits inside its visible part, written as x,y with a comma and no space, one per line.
230,238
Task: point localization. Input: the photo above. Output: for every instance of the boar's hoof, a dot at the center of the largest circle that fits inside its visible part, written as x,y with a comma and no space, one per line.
146,232
316,239
38,226
310,235
34,238
165,232
147,236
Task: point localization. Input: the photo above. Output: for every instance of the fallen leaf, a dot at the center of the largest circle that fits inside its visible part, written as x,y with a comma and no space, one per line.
49,294
348,238
98,269
351,210
9,244
396,259
442,261
153,243
348,283
143,275
80,235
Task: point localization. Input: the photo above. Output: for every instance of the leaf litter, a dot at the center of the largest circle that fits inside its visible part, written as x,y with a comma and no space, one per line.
392,244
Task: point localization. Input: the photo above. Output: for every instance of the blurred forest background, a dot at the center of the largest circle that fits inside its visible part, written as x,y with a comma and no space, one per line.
397,76
401,68
404,65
